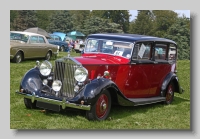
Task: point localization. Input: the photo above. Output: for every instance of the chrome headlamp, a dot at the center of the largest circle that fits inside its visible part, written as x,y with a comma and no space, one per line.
81,74
45,68
57,84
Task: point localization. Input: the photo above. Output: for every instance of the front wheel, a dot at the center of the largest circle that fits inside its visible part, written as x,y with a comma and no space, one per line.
170,93
101,109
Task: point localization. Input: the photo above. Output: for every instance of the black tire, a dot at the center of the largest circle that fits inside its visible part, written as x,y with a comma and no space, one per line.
29,104
101,109
169,93
18,57
48,56
62,49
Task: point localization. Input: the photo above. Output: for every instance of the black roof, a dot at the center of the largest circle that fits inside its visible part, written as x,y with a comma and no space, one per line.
127,37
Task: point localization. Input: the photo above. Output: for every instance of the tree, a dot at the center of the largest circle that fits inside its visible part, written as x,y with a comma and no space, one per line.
95,24
164,19
25,19
120,17
143,24
180,33
61,21
13,15
78,18
43,17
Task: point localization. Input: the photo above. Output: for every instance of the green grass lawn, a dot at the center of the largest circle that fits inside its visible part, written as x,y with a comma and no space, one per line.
153,116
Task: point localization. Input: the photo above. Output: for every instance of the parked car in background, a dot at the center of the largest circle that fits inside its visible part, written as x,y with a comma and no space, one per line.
27,45
114,69
56,40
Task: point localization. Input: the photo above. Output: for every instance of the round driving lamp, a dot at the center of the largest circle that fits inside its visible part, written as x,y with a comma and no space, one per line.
81,74
45,68
57,84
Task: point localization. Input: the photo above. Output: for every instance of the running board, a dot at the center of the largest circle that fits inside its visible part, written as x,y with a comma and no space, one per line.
144,101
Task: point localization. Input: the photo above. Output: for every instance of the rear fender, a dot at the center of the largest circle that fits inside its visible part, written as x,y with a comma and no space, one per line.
171,77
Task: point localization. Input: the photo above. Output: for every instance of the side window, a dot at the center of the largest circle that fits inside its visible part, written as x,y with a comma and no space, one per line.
160,52
142,51
57,38
172,52
41,39
34,39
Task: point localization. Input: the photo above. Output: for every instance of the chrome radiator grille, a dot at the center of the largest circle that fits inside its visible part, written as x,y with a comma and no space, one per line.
64,71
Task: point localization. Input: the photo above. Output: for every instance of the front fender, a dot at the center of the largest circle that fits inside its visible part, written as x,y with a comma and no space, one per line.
92,90
32,81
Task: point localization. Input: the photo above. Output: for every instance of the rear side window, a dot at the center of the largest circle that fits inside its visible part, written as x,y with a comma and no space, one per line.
142,51
172,52
34,39
41,40
160,52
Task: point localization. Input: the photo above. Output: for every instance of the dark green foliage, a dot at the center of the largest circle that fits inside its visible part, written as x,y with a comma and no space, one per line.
43,17
99,25
25,19
120,17
78,18
180,33
164,19
143,24
61,21
13,15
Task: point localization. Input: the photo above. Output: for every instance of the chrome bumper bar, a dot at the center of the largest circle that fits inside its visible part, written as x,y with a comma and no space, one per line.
62,103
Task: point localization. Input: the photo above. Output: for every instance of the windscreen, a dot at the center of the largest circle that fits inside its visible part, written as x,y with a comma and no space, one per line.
123,49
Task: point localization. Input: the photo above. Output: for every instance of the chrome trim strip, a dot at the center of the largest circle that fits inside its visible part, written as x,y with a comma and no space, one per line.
62,103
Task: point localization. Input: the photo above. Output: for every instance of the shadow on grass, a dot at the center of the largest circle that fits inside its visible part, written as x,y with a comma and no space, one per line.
116,111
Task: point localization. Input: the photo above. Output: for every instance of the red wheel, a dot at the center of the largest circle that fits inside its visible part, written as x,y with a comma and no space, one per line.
102,106
101,109
169,93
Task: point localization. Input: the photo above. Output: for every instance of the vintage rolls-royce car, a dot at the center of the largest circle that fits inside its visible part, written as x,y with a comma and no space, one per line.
27,45
114,69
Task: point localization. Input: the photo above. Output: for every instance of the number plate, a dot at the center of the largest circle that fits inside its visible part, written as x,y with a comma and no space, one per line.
48,106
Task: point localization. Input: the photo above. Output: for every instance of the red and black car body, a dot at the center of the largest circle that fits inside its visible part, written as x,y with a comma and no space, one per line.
113,69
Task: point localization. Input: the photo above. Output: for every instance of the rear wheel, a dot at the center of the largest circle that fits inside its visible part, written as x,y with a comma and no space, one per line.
101,109
18,57
48,55
29,104
170,93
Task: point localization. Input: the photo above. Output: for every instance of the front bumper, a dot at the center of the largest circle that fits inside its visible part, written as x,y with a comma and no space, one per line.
62,103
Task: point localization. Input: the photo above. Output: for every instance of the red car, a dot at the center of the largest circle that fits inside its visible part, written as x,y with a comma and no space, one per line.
120,69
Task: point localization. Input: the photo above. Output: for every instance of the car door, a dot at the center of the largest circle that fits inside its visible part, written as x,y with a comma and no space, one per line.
32,49
138,83
44,47
36,48
161,67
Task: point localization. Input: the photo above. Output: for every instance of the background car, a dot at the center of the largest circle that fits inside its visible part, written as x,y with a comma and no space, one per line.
57,40
27,45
